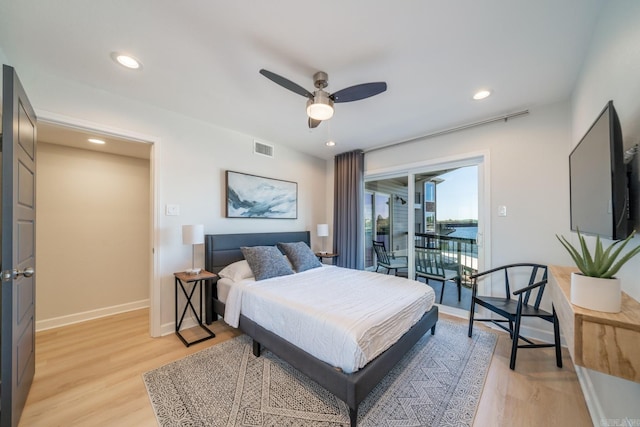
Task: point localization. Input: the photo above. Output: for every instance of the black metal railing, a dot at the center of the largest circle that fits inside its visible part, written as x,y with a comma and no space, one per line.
457,252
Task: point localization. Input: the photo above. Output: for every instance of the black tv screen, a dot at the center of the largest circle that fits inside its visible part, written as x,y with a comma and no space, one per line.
598,180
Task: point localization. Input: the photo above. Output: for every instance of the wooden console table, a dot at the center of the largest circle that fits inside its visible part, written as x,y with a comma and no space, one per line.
604,342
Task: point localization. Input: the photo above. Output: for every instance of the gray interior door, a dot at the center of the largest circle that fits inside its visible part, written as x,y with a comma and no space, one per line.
18,248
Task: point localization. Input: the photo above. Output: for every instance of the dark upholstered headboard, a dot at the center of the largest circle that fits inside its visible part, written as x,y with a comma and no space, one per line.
221,250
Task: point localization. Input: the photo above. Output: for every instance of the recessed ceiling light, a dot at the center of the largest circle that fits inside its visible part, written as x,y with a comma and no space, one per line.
481,94
330,143
126,60
96,141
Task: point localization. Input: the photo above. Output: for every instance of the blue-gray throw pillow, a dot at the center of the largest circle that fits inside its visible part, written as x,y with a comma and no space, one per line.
300,255
266,261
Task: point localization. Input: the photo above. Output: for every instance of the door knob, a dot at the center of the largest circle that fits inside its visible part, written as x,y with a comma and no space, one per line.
14,274
28,272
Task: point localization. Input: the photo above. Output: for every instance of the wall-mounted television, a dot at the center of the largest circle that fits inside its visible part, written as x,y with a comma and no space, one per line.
599,181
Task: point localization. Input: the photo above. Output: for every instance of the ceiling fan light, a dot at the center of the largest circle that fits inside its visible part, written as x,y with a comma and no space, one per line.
320,107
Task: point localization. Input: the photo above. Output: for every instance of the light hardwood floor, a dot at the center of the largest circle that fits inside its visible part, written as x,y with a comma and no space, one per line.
90,374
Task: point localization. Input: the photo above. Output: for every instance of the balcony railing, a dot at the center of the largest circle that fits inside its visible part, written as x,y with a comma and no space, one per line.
457,252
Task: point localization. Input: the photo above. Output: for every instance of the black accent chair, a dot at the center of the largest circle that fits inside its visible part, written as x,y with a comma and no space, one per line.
386,261
430,265
513,310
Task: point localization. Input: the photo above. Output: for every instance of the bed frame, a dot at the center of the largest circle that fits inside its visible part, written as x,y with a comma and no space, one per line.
223,249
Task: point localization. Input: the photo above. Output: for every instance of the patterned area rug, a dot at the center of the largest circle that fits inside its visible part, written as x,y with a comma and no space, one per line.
438,383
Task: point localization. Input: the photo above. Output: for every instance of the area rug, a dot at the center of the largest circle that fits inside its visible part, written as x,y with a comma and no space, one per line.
438,383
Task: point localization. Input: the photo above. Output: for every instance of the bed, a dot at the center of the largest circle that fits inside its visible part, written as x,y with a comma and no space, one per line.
352,388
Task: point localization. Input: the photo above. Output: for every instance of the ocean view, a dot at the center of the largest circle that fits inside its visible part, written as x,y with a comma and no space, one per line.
465,232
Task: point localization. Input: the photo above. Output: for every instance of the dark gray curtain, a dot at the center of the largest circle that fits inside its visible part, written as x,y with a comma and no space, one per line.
347,209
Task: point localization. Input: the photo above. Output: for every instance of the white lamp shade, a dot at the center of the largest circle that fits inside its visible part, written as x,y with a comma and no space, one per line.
193,234
322,230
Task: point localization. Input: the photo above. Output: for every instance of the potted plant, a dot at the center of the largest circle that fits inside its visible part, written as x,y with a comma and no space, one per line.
595,287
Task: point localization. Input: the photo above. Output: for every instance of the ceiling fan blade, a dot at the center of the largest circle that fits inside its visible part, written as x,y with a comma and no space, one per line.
286,83
313,123
358,92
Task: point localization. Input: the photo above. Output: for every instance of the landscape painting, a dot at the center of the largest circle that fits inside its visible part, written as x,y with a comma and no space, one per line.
251,196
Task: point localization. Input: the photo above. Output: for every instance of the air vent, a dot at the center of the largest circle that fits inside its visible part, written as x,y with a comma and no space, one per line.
262,148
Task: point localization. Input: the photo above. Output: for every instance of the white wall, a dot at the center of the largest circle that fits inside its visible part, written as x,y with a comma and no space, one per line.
92,240
612,72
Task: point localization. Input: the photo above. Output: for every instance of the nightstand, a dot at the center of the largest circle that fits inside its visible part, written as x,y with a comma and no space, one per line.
182,280
327,255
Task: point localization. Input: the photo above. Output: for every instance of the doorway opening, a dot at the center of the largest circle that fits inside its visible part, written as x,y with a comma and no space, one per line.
107,188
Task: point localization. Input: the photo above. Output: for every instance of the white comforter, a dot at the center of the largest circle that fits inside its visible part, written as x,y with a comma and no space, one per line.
344,317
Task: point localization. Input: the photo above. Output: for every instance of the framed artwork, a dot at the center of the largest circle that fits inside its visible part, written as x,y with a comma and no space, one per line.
251,196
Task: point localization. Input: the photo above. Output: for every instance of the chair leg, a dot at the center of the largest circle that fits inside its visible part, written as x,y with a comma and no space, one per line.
473,307
459,283
441,292
556,336
515,339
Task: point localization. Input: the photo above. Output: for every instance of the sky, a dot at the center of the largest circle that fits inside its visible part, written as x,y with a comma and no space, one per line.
458,195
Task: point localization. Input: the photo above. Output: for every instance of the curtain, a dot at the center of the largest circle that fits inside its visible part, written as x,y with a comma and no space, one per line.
347,213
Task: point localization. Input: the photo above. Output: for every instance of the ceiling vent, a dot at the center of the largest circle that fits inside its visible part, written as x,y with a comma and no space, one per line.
262,149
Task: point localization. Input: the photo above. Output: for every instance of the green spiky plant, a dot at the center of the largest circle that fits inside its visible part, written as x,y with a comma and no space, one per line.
603,262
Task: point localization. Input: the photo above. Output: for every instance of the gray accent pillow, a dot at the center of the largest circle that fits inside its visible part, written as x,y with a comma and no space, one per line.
266,261
300,255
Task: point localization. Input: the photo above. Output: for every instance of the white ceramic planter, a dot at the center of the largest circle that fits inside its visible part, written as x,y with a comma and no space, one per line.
595,293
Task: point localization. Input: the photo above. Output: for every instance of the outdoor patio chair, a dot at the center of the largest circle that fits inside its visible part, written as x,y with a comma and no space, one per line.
430,265
534,279
386,261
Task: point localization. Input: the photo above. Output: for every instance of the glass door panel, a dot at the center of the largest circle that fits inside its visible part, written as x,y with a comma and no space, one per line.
377,224
447,222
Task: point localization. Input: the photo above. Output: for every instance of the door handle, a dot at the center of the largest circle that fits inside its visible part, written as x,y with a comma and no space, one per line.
14,274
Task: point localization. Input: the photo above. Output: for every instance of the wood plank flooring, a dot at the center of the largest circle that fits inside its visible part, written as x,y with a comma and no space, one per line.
90,374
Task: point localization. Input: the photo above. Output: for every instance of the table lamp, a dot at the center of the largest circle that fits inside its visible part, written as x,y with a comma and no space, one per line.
193,235
322,231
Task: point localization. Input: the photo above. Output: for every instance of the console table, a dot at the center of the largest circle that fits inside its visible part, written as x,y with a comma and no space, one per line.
604,342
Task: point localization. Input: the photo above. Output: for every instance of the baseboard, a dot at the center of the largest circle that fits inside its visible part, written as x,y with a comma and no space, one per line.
590,396
453,311
170,328
70,319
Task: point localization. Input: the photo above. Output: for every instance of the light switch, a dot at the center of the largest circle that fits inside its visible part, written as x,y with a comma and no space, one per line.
172,210
502,210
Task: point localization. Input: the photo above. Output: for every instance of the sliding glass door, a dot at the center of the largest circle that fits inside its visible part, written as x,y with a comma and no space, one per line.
434,210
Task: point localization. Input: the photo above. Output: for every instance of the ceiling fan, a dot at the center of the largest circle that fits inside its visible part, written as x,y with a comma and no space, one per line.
320,103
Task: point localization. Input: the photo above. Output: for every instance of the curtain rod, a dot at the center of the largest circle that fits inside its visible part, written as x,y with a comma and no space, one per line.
451,130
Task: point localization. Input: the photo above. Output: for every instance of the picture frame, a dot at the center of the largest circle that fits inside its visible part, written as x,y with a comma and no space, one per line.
253,196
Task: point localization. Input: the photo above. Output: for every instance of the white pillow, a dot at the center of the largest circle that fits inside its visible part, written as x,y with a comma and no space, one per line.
237,271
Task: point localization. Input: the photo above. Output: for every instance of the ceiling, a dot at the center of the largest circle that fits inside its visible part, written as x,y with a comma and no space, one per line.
78,138
201,59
